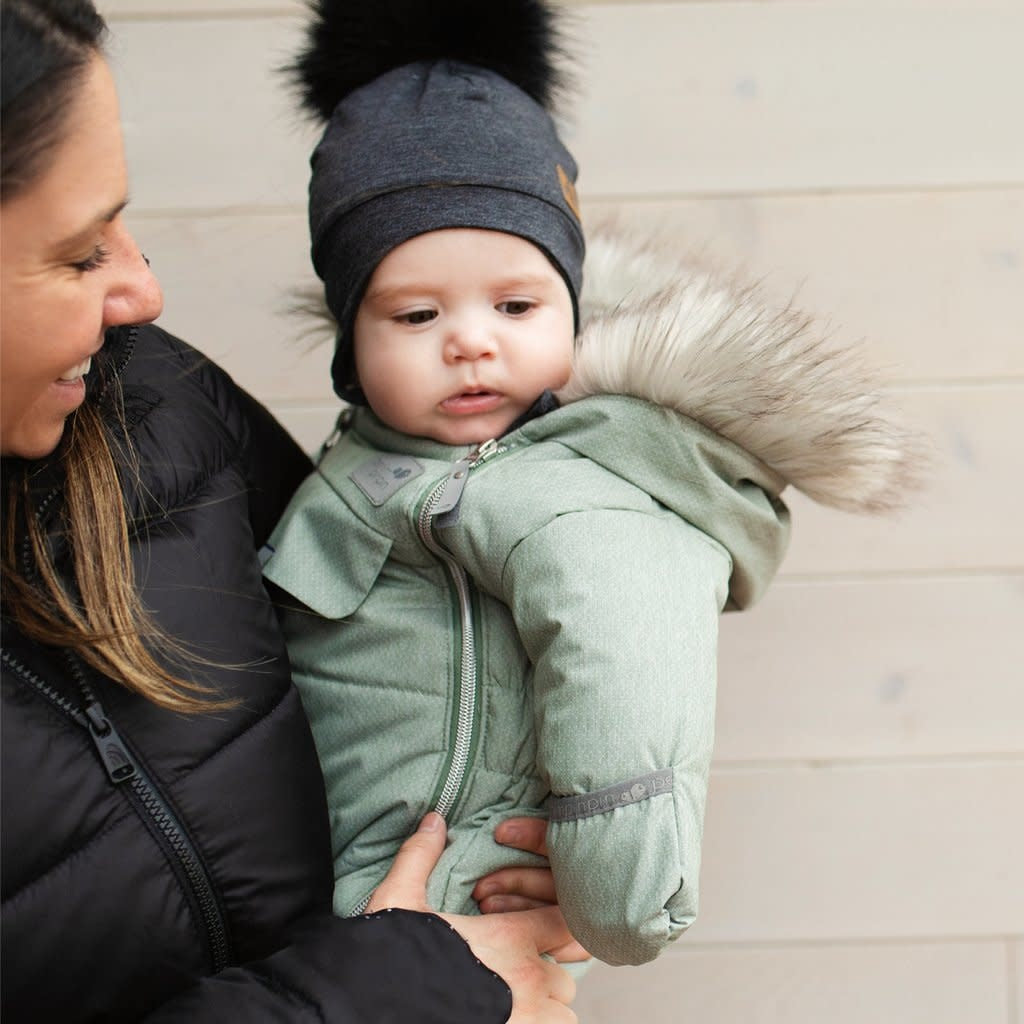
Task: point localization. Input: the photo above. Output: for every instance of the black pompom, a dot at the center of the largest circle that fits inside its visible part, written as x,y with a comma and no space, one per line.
352,42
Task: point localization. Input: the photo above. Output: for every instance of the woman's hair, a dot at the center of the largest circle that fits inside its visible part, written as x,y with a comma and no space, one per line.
47,48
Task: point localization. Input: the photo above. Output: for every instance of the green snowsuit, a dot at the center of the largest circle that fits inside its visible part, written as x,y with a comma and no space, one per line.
531,628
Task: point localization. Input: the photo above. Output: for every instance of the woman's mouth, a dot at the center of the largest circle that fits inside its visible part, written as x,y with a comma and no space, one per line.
76,372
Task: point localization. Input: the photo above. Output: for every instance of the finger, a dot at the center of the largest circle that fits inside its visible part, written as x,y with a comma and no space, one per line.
551,935
508,903
547,928
405,884
528,834
571,953
560,983
535,884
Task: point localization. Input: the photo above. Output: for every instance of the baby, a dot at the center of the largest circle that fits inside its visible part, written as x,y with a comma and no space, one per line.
501,587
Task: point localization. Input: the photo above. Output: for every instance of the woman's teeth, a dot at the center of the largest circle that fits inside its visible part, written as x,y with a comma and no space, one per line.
77,371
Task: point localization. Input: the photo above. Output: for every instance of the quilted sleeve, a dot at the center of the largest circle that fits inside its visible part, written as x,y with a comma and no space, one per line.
618,611
393,966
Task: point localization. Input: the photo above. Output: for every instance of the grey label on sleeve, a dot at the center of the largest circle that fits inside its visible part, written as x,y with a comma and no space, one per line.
632,791
383,475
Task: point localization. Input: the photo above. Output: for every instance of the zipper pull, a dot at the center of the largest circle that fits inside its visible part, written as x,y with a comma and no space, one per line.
113,753
455,482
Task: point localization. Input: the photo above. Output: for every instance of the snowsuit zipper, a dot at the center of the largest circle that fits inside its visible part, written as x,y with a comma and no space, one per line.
149,803
444,498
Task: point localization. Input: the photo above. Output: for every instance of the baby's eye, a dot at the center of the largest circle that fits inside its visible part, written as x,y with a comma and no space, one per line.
93,261
515,307
417,316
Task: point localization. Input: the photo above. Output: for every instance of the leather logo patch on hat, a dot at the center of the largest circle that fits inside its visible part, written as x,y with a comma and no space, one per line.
569,191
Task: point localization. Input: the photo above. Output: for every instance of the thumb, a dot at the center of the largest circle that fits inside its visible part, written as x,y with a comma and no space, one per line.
405,884
547,928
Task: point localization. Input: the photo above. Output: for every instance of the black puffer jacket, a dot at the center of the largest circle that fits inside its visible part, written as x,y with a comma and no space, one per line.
123,897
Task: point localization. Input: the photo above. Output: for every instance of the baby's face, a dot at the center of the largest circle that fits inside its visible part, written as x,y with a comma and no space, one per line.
460,331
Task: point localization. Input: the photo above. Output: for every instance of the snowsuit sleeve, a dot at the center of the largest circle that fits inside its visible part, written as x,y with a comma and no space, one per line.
394,966
618,611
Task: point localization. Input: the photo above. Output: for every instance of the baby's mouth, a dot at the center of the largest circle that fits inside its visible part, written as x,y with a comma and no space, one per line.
471,400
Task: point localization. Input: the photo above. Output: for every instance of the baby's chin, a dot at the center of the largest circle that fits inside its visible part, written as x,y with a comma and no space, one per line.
472,430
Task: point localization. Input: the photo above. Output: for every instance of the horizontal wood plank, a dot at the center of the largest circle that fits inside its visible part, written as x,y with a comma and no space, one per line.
832,853
208,119
749,97
932,283
892,668
309,424
677,99
966,518
894,983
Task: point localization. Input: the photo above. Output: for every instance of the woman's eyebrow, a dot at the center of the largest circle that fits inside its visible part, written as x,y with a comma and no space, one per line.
79,237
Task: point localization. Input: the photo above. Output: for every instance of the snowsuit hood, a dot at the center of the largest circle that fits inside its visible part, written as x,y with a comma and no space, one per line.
773,382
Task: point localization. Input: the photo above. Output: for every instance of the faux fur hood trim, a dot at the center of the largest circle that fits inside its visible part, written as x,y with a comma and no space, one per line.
768,380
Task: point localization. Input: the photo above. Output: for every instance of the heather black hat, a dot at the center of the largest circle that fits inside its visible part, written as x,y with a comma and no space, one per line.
435,143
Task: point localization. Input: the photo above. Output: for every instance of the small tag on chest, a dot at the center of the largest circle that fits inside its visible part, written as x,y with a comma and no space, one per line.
383,475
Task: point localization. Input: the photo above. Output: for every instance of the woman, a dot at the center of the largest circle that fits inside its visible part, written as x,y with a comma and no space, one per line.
165,844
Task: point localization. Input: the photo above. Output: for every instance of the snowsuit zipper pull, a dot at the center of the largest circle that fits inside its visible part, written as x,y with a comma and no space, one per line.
113,753
455,482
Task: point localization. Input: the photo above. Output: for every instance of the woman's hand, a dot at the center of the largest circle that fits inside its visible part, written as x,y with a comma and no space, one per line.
509,889
510,944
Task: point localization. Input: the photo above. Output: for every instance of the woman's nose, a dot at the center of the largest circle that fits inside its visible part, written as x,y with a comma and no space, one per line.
134,295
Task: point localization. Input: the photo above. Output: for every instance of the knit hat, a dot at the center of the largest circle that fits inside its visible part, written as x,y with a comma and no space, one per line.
437,119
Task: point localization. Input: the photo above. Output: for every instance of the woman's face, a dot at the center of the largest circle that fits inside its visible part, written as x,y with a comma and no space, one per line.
69,269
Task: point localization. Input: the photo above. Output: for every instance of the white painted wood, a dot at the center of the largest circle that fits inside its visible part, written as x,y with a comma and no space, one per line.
889,668
744,97
967,518
668,108
309,425
876,851
208,121
904,983
933,282
1016,1000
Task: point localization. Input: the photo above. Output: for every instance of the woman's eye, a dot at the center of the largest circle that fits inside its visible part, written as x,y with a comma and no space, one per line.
418,316
93,261
515,307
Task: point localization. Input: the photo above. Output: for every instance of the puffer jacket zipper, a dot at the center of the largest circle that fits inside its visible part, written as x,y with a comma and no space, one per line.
443,499
145,795
148,800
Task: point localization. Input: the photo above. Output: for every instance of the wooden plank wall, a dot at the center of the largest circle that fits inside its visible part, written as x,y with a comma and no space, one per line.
865,835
